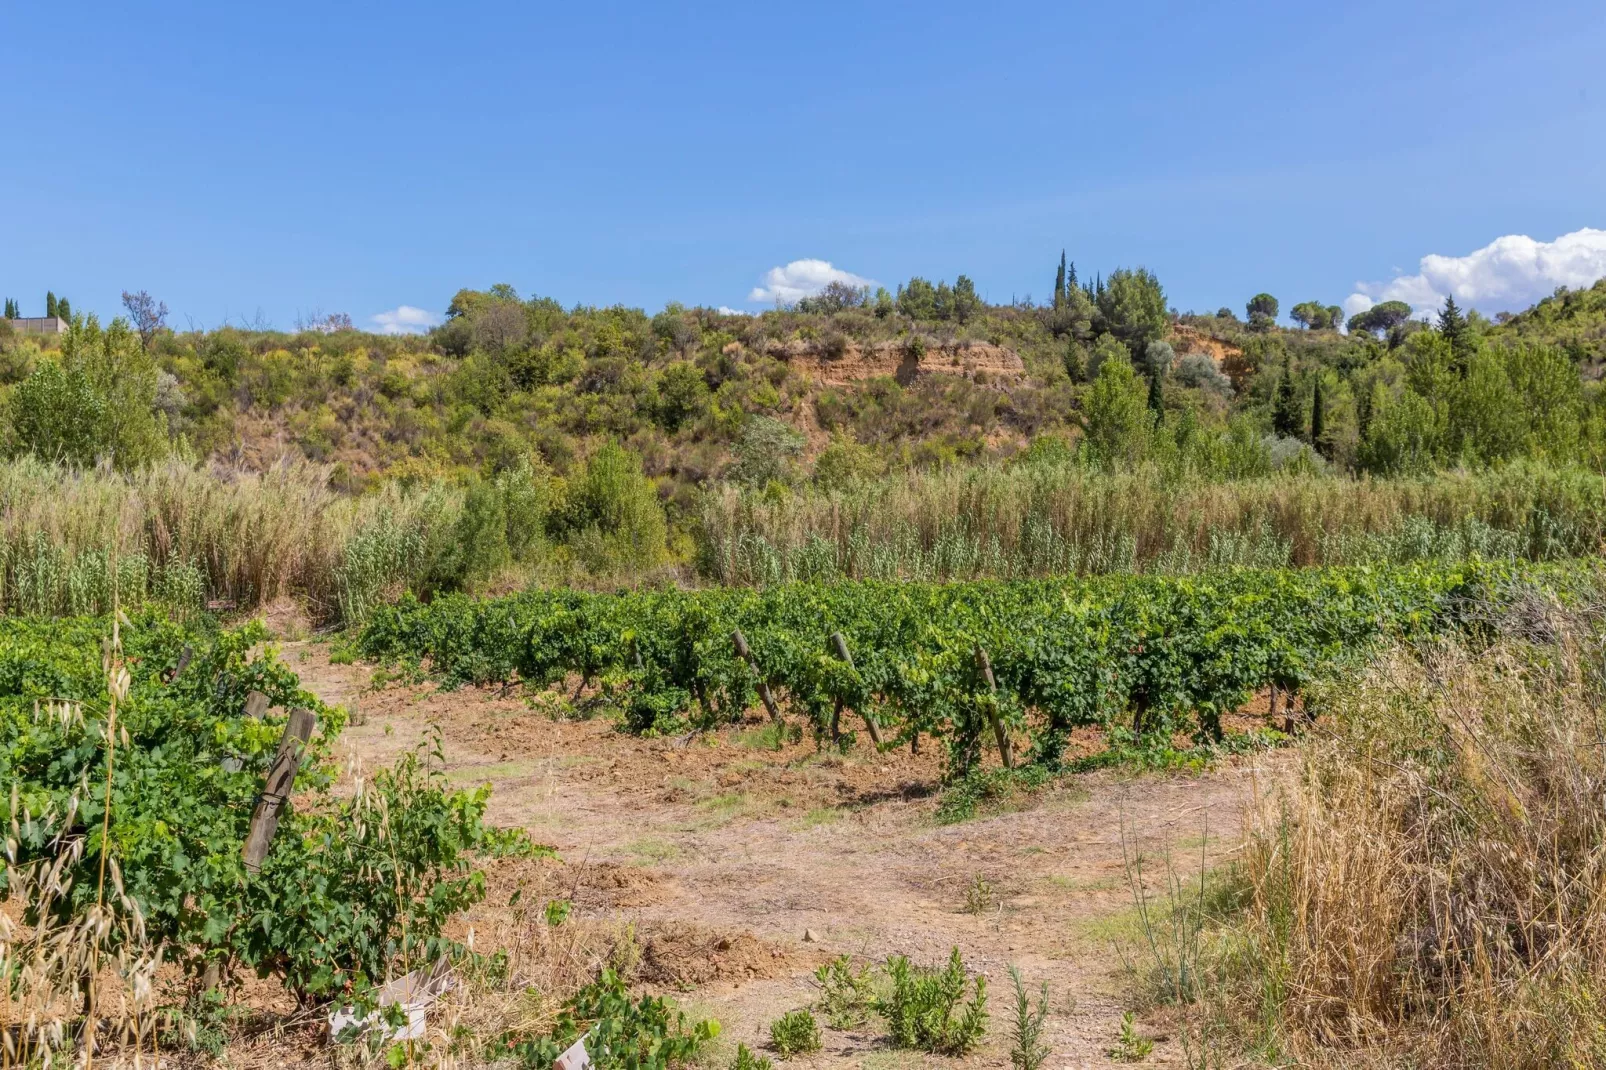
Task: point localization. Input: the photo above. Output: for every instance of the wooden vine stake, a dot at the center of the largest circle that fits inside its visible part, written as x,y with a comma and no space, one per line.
184,657
746,654
841,645
1002,737
281,781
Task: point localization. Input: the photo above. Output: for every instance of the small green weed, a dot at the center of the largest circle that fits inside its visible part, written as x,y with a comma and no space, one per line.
774,735
846,995
980,896
795,1033
1129,1046
926,1009
746,1060
1027,1050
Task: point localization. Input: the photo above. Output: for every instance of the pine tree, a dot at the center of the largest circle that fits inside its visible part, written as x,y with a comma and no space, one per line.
1286,419
1318,419
50,303
1059,283
1453,326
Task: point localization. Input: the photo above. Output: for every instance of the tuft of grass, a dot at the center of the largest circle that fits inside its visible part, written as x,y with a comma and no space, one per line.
990,791
650,850
771,736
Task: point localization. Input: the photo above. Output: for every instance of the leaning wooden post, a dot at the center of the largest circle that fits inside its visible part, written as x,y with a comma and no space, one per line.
746,654
281,781
841,645
986,666
183,663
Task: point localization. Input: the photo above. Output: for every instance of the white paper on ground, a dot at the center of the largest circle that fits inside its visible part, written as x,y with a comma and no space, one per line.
575,1058
414,991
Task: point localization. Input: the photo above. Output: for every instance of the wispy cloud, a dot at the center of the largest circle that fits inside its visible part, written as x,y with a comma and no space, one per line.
404,319
800,279
1509,273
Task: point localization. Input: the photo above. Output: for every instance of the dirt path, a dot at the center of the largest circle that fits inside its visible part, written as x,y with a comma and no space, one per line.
815,855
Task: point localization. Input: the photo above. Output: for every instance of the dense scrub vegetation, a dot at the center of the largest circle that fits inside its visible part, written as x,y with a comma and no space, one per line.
522,441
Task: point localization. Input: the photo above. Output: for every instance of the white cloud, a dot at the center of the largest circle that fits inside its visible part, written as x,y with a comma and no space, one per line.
800,279
1508,274
726,310
404,319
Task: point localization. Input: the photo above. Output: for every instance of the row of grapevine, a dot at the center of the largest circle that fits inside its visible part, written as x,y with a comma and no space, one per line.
1063,653
139,813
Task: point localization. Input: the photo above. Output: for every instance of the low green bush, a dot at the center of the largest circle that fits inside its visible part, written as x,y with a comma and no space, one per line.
795,1033
926,1008
619,1033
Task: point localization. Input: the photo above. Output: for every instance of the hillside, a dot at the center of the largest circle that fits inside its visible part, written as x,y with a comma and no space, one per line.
916,386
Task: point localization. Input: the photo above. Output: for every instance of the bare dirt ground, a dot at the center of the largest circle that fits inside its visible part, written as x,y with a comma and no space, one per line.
742,867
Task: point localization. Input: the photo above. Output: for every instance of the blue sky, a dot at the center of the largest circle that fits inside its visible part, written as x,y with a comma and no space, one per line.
269,160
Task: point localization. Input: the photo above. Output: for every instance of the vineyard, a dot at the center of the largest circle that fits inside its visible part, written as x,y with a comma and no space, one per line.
971,665
139,760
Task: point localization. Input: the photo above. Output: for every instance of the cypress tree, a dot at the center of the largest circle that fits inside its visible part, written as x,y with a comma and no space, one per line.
50,303
1286,419
1059,282
1453,326
1070,279
1156,393
63,309
1318,418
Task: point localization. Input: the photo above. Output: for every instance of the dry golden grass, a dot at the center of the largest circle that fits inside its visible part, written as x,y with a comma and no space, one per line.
1432,891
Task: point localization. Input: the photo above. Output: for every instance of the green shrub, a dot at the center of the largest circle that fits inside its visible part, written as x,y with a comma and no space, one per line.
355,887
846,995
482,533
619,1034
1026,1048
795,1033
613,515
98,400
926,1010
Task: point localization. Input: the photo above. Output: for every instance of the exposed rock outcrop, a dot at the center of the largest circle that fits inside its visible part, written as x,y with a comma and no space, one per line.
845,361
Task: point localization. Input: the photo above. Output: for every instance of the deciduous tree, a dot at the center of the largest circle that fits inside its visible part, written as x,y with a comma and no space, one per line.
147,314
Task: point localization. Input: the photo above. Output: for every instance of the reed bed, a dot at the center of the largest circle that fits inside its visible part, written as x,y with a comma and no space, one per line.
1035,520
185,535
